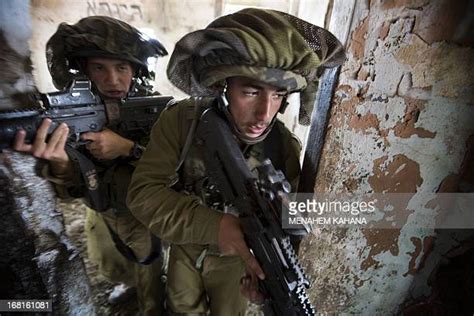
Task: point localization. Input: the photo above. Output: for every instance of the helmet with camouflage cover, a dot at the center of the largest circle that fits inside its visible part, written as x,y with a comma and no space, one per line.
270,46
98,36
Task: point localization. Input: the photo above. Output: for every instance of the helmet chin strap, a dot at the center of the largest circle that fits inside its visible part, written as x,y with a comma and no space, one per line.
223,105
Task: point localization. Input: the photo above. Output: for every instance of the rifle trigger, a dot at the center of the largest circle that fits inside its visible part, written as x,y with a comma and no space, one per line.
81,142
78,141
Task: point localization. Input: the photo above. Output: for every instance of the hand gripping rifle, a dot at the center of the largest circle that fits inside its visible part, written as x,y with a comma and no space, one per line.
82,111
258,201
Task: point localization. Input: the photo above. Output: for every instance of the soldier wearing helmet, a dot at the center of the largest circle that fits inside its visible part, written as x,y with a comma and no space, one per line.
113,55
245,64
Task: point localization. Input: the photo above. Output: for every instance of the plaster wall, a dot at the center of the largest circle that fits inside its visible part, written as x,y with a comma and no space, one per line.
401,122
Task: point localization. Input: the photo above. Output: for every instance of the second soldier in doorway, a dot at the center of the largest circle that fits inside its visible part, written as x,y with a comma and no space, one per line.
114,56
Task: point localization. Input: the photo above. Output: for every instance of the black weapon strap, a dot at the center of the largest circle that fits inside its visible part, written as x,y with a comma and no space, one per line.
273,148
128,253
201,106
98,204
90,177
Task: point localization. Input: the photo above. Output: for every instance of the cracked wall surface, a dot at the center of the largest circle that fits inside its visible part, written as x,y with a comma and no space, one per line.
400,122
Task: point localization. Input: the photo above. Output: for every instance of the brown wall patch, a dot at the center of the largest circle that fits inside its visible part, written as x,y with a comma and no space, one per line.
406,128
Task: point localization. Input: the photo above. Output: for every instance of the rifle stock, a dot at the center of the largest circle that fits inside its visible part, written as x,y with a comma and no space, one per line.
258,201
83,111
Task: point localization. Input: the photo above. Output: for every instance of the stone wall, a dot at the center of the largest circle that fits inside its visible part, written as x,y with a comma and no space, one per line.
401,122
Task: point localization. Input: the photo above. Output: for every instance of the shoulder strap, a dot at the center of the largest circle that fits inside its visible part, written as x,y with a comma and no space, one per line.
201,106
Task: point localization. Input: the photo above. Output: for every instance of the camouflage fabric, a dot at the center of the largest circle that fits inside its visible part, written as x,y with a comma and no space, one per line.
98,36
266,45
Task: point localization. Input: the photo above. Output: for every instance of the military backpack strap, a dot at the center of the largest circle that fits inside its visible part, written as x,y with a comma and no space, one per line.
90,178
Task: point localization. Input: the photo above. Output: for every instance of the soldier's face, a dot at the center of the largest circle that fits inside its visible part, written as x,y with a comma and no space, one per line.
112,77
253,104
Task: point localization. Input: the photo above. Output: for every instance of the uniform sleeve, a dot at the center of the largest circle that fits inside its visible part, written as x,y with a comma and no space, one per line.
174,216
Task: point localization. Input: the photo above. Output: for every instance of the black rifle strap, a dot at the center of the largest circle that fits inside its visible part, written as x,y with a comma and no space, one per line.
90,177
201,106
273,148
128,253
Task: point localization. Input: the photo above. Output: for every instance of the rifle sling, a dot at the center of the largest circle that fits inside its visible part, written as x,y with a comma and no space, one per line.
273,148
90,177
128,253
200,107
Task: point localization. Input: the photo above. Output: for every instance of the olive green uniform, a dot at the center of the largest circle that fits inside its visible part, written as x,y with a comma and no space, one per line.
268,46
66,50
199,278
117,269
101,248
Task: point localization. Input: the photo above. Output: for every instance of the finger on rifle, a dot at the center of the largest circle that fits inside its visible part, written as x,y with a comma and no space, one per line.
39,144
56,137
63,139
42,131
89,136
19,143
249,288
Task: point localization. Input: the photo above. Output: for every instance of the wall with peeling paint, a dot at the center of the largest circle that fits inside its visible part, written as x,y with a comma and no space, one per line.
401,122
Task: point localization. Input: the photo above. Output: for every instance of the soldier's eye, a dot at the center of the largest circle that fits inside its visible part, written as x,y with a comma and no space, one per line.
250,92
279,96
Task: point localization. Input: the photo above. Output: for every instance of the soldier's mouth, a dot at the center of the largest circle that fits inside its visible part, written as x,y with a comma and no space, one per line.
257,129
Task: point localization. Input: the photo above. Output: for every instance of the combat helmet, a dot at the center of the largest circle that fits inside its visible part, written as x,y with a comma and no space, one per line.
98,36
267,45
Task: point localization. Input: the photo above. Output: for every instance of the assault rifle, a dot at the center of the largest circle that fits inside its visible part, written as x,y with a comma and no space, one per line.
258,201
83,111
